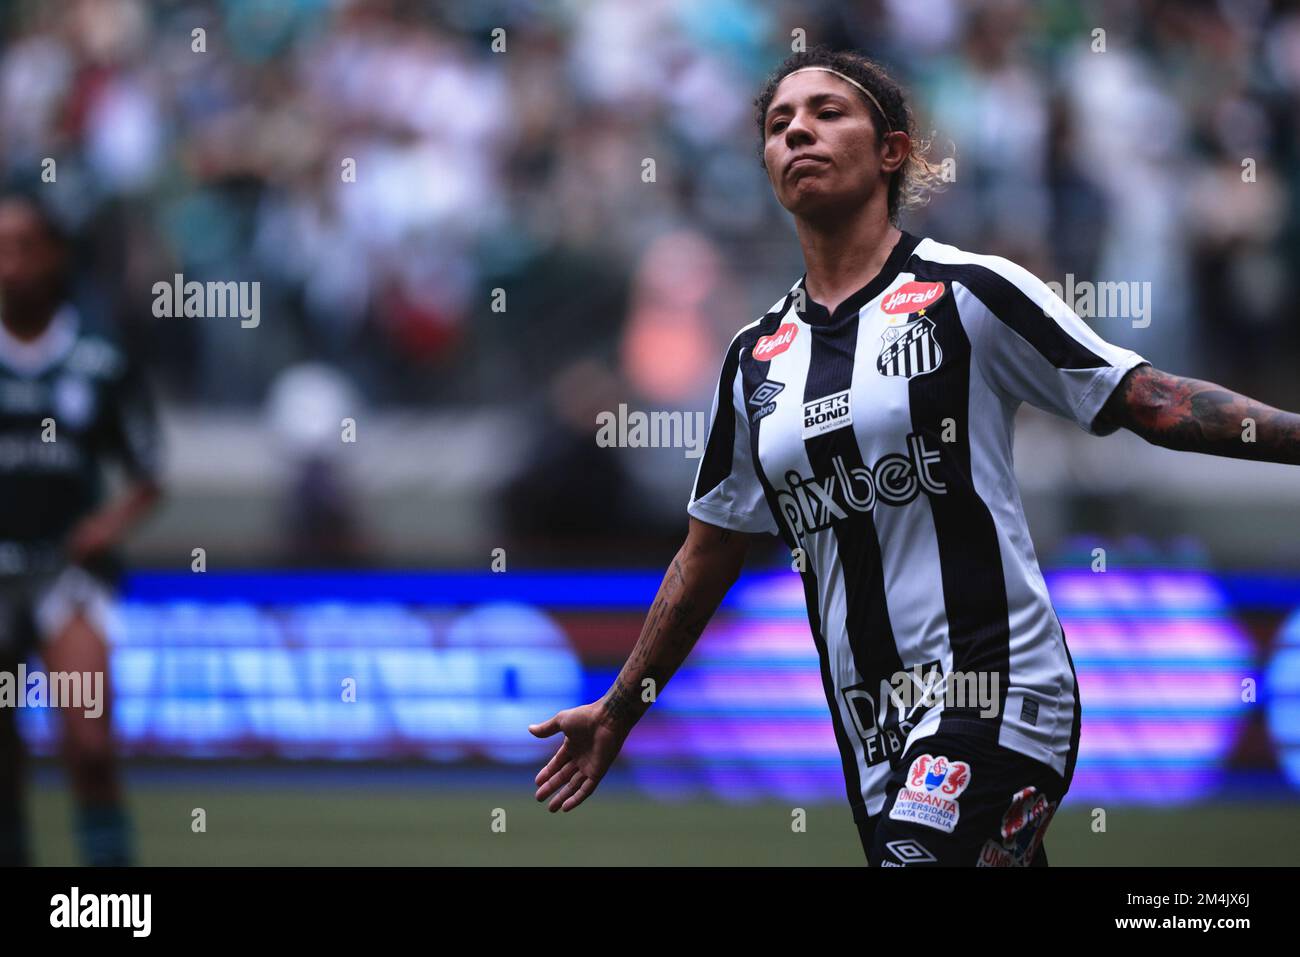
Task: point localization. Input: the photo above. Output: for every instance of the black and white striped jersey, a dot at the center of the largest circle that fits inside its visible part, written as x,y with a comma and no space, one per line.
877,442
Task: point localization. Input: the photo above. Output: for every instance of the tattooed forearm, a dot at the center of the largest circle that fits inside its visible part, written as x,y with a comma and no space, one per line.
691,591
620,703
1195,416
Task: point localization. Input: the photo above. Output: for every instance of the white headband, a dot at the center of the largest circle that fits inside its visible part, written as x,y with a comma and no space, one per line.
847,79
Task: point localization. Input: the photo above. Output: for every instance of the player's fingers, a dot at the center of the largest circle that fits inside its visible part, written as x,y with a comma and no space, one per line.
546,728
556,780
583,792
564,793
557,761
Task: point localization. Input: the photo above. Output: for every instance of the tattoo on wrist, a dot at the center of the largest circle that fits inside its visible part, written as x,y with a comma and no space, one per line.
620,703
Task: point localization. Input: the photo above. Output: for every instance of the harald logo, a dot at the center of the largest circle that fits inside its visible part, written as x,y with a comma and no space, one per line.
912,297
769,347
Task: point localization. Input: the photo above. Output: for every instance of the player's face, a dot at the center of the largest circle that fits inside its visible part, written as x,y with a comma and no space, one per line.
30,258
820,146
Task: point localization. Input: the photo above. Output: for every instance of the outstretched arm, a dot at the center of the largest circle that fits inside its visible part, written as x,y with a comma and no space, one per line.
1190,415
706,565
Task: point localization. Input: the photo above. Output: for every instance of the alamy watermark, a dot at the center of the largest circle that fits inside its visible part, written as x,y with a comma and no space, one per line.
956,689
208,300
74,909
634,429
1104,300
56,689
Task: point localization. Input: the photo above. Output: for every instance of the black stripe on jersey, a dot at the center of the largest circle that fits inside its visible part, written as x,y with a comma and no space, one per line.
753,373
870,633
1072,756
970,562
722,436
719,452
1013,308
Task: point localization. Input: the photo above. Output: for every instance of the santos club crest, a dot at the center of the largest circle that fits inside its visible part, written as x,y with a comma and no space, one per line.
910,350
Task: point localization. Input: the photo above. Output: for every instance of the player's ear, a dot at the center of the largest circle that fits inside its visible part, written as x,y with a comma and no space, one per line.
894,150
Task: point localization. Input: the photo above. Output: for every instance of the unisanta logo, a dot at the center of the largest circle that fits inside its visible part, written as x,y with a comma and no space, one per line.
912,297
769,347
949,778
933,786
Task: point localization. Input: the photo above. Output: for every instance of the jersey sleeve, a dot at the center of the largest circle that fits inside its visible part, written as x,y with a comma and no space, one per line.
727,491
131,432
1032,347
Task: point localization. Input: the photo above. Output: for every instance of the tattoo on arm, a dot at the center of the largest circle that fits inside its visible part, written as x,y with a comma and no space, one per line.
1195,416
674,624
620,702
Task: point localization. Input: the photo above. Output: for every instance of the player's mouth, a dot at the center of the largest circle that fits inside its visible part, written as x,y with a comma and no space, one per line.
805,161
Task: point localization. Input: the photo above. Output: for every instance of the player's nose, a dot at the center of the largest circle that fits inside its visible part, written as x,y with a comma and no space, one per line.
799,132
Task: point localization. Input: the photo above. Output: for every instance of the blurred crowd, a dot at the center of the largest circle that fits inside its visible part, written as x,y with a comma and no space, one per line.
213,138
454,204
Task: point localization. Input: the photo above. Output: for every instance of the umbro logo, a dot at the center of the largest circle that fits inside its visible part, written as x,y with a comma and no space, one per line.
763,399
910,852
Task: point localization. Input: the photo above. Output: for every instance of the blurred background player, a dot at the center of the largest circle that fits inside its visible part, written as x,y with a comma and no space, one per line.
70,402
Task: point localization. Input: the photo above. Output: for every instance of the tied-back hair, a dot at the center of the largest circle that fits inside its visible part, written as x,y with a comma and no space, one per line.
912,183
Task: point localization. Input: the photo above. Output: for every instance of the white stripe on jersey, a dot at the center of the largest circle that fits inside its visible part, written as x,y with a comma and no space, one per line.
917,543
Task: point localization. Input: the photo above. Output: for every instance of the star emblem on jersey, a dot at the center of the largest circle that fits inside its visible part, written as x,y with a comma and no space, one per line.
930,795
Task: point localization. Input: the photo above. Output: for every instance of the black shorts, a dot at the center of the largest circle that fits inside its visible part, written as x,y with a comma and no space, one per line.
960,800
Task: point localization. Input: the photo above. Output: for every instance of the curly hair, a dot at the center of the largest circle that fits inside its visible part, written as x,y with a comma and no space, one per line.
912,183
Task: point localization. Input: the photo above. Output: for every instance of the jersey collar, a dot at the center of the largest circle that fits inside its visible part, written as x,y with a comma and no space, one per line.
33,356
815,313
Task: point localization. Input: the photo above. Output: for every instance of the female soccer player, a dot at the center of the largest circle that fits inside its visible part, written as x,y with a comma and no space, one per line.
867,420
69,402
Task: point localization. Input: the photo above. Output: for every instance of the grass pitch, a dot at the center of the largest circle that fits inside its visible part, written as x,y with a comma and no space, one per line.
294,817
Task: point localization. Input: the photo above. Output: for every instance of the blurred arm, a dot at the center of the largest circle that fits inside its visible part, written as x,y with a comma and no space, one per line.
705,567
108,526
1190,415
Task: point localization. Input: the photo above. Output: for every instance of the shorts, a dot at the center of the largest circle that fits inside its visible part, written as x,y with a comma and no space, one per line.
958,800
35,608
